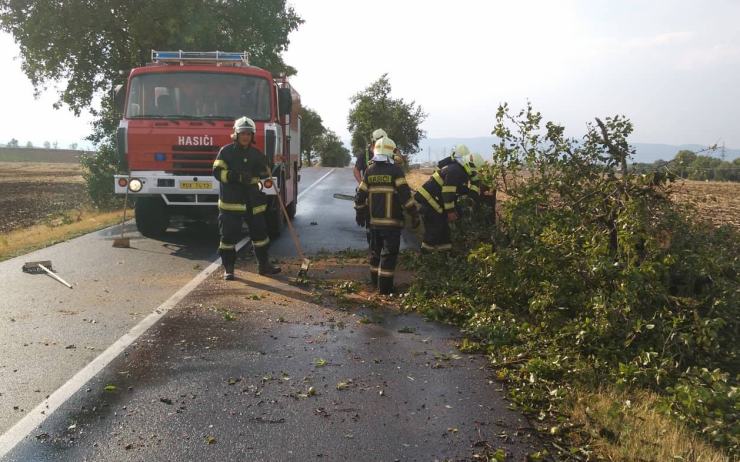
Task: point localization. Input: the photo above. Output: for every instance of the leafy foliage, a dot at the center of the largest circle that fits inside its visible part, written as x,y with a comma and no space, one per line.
332,151
312,129
98,170
693,166
374,108
86,43
593,275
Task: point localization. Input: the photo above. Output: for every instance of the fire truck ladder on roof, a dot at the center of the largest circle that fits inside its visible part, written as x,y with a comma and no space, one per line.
201,57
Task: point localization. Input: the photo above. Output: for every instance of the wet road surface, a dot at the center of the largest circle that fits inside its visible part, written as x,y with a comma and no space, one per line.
258,369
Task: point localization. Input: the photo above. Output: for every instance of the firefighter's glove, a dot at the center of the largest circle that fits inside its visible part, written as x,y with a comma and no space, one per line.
361,217
452,216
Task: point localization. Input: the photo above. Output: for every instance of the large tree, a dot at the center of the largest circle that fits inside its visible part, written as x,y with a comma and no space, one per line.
87,45
374,108
312,129
332,151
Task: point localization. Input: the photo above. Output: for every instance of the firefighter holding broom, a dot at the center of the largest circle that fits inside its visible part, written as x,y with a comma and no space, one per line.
238,168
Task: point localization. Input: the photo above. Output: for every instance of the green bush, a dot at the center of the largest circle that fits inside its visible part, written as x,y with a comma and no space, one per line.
593,275
98,170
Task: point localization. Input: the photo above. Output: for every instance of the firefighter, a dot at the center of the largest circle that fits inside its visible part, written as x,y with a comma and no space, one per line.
455,176
380,200
238,167
363,161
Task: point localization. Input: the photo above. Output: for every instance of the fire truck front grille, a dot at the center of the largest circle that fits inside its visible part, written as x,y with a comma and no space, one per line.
193,160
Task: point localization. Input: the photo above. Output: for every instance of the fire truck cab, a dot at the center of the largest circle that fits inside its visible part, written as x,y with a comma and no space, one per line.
178,111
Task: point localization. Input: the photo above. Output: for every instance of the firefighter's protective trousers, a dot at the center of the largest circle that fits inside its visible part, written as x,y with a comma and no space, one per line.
384,245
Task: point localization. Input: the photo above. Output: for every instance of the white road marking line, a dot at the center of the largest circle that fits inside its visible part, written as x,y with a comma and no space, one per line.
38,415
315,183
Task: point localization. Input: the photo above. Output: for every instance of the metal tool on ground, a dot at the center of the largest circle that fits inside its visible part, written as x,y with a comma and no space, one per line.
344,197
305,262
40,267
123,242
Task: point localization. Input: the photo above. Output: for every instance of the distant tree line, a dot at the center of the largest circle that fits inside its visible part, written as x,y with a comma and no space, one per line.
14,143
692,166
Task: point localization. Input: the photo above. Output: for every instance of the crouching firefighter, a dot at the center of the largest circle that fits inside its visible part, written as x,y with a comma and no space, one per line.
455,177
380,199
238,168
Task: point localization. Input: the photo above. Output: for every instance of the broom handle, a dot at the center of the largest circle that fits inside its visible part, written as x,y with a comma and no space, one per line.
125,206
51,273
293,234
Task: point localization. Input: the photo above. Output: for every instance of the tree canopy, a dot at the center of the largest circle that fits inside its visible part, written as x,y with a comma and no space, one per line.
87,44
332,150
312,129
374,108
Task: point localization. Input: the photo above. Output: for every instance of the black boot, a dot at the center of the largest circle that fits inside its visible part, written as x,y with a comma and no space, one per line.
385,285
228,258
264,267
374,279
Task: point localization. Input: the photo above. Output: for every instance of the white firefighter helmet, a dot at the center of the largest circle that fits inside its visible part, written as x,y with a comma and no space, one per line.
244,124
460,151
378,134
383,150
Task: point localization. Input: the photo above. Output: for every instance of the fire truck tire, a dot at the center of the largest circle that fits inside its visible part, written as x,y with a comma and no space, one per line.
152,218
275,220
292,209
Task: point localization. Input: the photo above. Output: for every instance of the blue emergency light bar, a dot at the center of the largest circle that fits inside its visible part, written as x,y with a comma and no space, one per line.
211,57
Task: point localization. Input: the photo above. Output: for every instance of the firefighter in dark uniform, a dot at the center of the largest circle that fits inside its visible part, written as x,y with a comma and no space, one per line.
239,167
380,200
456,176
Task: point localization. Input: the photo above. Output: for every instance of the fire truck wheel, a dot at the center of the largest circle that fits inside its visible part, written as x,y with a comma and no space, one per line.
275,220
152,218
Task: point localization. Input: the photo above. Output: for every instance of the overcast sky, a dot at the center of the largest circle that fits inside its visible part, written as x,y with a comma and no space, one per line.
672,66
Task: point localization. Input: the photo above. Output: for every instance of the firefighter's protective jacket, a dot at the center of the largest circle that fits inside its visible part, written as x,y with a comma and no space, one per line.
239,170
451,180
383,193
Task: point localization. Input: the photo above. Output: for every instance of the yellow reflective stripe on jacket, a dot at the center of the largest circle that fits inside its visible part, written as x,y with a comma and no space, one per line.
386,221
231,207
259,209
223,246
382,189
261,243
449,205
220,163
224,176
474,188
360,207
254,180
449,189
438,178
410,203
430,200
385,273
362,187
401,180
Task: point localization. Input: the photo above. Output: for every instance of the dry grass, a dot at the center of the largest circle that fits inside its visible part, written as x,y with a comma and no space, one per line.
69,225
626,427
717,202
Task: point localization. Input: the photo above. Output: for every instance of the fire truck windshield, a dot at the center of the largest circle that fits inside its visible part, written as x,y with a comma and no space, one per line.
189,95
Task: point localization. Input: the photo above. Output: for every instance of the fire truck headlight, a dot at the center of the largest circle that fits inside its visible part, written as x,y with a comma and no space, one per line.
135,185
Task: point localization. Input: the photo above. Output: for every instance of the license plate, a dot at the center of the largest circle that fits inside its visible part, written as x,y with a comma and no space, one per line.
195,185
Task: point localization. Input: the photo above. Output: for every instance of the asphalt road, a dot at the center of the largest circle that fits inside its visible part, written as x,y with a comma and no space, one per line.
227,373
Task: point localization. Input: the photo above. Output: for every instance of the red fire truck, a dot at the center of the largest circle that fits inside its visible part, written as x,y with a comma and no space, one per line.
178,111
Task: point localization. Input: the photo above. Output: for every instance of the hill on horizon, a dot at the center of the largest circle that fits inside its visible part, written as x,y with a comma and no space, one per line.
433,149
